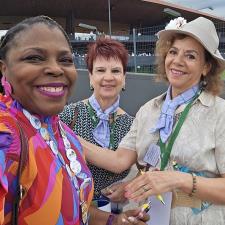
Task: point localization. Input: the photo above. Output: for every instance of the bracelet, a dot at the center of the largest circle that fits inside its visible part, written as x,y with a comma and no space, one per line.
194,186
110,219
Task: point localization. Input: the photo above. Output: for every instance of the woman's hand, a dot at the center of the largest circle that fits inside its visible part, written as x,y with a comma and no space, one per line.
115,192
99,217
130,217
153,183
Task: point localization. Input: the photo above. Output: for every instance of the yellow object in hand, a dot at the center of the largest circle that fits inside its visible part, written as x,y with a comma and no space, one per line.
145,207
159,197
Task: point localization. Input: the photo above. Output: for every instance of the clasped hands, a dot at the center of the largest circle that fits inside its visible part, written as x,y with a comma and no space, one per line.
116,194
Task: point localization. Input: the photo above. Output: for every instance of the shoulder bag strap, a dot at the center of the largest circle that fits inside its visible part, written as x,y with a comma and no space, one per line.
74,118
22,161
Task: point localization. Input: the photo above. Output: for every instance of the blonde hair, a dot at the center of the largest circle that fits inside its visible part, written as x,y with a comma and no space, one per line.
213,78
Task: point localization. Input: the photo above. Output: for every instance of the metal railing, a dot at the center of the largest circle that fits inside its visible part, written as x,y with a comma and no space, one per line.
140,43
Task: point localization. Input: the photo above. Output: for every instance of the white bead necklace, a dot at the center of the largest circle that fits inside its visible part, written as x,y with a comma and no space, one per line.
74,168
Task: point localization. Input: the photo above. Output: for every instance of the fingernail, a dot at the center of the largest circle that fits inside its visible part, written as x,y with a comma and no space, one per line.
132,219
124,220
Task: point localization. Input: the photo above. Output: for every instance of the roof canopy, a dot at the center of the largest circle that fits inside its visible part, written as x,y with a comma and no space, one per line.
133,12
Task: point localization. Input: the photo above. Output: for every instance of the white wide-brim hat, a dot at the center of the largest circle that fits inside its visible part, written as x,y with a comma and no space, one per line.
201,29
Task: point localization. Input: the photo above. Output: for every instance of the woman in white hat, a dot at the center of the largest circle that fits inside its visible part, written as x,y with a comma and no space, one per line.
179,136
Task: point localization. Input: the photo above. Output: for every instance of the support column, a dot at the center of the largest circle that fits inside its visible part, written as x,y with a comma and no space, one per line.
70,25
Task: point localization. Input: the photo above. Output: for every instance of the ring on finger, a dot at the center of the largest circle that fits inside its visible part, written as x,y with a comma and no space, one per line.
145,188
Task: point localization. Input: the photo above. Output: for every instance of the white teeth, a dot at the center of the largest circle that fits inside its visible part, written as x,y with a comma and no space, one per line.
52,89
177,72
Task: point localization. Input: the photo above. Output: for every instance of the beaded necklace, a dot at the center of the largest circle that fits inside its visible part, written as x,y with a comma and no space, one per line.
74,169
95,121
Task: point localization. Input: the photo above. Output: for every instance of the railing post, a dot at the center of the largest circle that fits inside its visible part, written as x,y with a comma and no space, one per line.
110,25
135,50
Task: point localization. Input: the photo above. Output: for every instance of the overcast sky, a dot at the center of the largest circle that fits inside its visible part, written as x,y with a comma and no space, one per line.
215,7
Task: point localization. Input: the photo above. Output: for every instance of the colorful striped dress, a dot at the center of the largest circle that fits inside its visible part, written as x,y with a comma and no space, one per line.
50,197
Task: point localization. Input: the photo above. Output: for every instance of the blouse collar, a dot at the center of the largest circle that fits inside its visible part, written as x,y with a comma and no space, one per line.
205,98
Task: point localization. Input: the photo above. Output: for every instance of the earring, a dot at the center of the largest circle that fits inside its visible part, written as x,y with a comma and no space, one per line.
91,87
204,82
6,85
124,88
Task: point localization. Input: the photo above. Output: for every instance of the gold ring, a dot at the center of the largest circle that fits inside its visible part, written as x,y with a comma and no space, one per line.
145,189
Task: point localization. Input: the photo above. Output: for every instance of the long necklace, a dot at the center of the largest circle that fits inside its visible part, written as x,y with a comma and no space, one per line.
95,121
74,168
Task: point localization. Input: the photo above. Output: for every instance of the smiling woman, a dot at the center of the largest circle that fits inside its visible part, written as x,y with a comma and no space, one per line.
178,137
182,78
99,119
37,75
42,170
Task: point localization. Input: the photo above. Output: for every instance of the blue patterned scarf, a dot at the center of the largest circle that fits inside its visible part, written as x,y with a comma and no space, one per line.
166,119
101,133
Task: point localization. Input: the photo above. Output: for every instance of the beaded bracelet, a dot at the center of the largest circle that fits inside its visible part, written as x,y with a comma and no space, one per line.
110,219
194,187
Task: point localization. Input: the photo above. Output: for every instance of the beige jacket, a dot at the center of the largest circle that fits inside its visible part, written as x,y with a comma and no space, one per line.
200,145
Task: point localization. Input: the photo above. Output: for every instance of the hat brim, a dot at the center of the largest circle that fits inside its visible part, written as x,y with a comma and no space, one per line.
216,55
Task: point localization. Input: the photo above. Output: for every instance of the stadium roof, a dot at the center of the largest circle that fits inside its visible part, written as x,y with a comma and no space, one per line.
136,13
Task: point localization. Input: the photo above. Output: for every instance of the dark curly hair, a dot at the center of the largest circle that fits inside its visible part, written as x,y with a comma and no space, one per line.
9,39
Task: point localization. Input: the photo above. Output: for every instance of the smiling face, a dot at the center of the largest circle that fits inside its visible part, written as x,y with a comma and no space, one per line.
40,69
107,79
185,64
